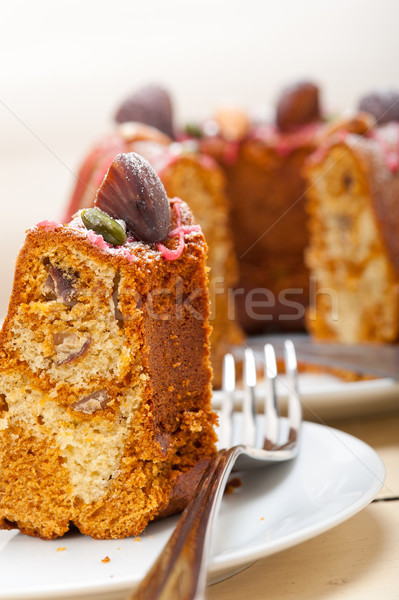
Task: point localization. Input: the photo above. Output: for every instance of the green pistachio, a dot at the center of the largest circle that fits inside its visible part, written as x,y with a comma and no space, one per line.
194,130
102,224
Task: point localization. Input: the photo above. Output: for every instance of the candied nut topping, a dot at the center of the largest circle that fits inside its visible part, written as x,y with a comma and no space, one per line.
298,105
112,231
150,105
383,104
133,192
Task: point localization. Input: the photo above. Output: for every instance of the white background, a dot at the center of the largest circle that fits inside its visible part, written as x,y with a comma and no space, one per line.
65,66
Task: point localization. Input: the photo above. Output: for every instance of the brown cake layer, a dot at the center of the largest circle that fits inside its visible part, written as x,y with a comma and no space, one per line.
105,381
266,191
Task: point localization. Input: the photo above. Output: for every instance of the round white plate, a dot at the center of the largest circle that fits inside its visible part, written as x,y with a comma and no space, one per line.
328,397
334,477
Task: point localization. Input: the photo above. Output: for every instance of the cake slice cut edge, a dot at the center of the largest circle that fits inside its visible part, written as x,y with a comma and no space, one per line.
105,382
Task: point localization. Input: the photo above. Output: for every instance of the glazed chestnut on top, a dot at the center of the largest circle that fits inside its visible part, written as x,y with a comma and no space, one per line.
298,105
133,192
151,105
383,104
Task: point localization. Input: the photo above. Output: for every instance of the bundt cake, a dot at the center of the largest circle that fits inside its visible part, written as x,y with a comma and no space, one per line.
353,206
199,181
270,167
105,380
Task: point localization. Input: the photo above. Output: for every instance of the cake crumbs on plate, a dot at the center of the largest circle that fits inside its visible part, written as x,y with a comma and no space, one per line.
232,485
106,559
61,549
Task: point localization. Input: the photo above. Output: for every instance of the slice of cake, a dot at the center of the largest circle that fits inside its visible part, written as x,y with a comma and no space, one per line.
353,249
105,380
199,181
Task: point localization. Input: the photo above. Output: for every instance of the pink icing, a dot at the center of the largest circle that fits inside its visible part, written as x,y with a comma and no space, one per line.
342,135
286,143
97,240
92,172
321,152
48,225
283,143
128,255
230,153
172,254
179,232
207,161
162,163
389,147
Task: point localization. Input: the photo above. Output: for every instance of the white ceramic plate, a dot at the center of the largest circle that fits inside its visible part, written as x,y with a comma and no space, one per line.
328,397
334,477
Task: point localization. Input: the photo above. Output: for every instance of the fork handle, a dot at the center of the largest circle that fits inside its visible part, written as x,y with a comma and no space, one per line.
180,572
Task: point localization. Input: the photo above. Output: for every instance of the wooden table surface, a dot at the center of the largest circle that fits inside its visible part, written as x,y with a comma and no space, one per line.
356,560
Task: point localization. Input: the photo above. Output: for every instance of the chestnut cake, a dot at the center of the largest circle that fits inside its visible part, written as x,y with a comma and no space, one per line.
199,181
353,253
105,380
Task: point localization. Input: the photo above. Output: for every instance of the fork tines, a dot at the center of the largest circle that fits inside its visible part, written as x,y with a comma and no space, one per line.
271,434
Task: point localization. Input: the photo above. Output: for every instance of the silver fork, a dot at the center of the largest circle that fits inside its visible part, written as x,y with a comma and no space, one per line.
180,572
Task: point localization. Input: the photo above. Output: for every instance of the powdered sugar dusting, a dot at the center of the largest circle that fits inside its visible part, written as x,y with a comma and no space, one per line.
141,170
128,255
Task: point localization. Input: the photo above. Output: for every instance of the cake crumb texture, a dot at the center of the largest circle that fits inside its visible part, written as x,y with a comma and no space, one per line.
350,254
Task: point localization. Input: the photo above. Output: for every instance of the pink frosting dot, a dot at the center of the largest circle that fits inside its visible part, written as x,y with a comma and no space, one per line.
173,254
128,255
48,225
179,232
98,240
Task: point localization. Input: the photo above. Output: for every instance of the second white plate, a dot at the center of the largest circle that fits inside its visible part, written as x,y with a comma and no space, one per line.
328,397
